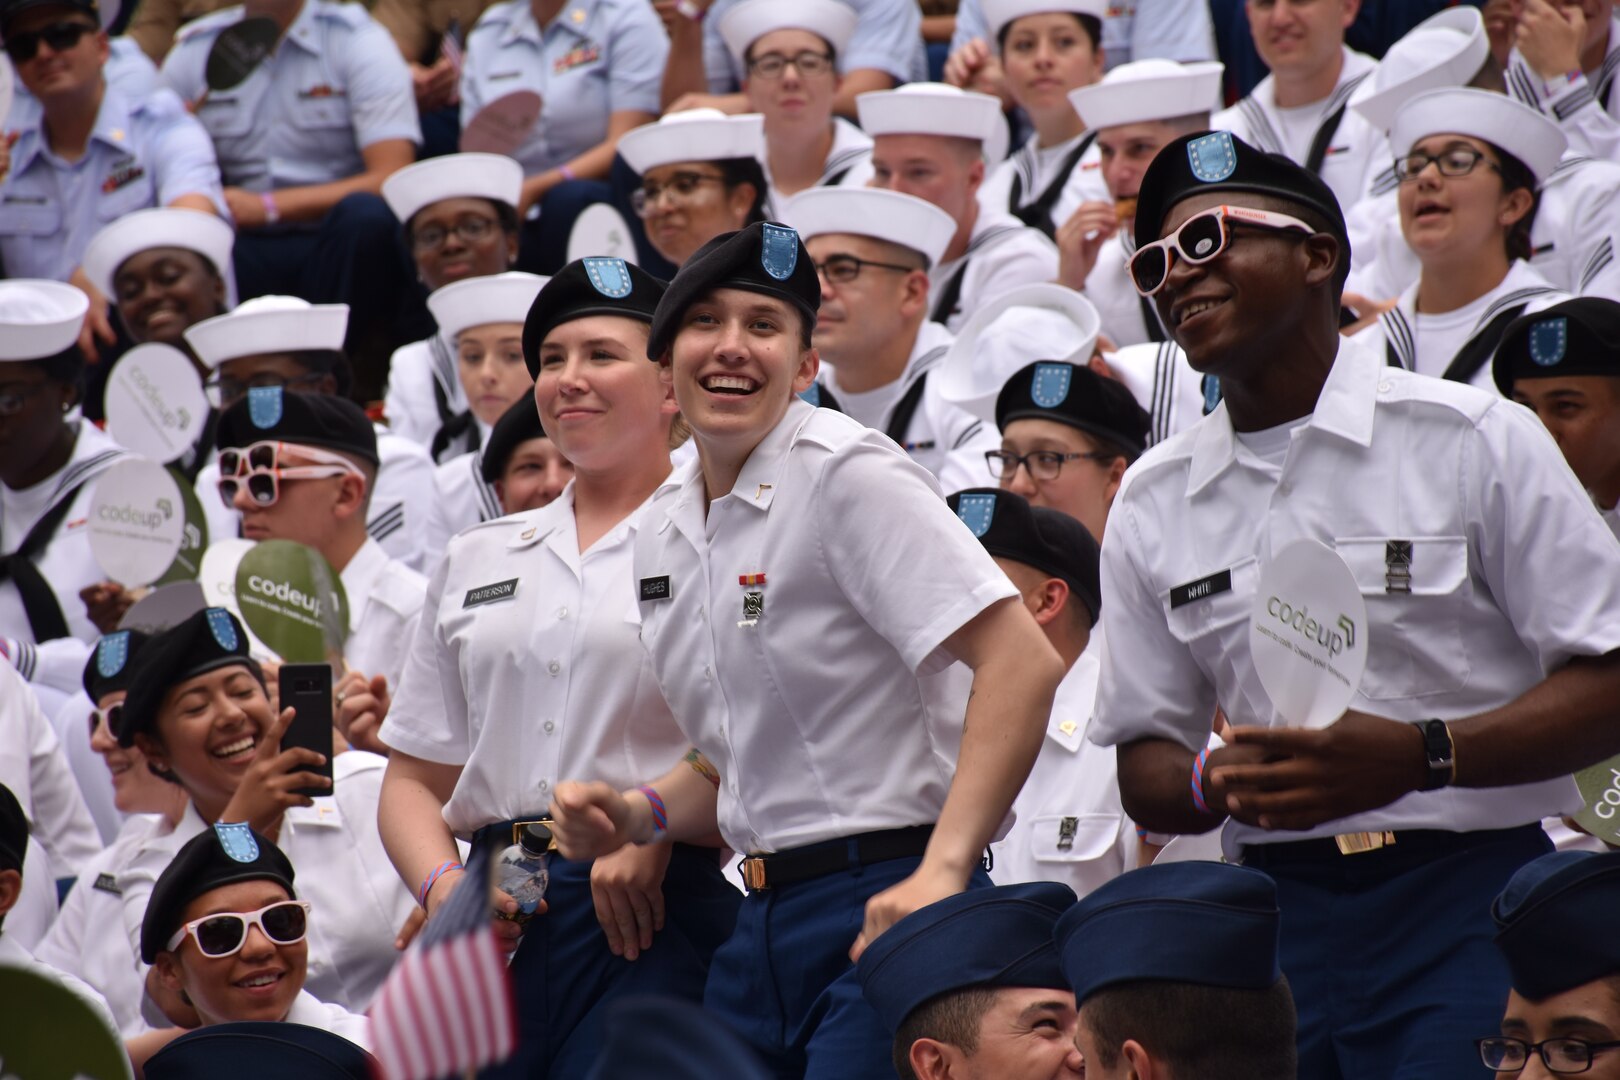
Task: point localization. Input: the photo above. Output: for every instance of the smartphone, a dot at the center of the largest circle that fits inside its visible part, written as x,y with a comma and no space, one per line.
307,689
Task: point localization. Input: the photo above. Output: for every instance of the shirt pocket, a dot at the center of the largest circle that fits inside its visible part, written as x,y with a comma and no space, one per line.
324,113
1415,642
1206,623
1073,838
135,194
25,215
225,116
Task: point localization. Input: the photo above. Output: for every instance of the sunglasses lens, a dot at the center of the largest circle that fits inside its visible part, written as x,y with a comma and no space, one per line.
262,456
64,35
22,47
284,923
1201,238
230,462
221,935
262,486
227,492
1148,267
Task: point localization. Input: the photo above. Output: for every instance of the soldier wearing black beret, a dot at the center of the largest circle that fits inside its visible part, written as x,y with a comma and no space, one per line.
520,462
207,641
586,287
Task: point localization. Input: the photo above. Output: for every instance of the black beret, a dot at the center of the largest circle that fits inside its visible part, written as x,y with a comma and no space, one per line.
1074,395
517,425
1046,540
12,8
261,1050
1218,161
323,420
111,666
1555,922
764,258
13,831
1577,337
585,287
217,856
210,639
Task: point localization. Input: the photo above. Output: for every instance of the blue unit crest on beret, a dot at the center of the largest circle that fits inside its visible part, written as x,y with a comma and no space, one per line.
1212,157
265,406
812,394
610,277
779,251
236,837
112,653
219,624
1050,386
977,512
1549,341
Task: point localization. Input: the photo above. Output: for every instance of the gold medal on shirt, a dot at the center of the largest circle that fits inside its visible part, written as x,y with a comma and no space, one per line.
753,608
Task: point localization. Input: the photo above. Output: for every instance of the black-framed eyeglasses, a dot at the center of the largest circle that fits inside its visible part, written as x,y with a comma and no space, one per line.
223,391
680,188
470,229
60,36
1042,464
1562,1056
839,269
1458,161
13,395
773,64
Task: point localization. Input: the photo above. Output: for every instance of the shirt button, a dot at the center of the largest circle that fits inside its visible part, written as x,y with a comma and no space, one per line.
554,667
701,611
562,613
708,672
544,786
550,727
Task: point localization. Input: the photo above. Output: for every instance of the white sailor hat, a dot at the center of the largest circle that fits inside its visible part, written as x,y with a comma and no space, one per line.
1034,322
930,108
753,19
883,215
693,135
39,319
1149,90
1496,118
194,230
1444,50
479,301
269,324
998,13
453,176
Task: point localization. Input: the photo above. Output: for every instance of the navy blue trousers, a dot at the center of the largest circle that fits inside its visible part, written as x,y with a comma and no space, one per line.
543,247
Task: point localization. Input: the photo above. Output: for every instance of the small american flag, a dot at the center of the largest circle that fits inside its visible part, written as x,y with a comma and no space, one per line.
446,1009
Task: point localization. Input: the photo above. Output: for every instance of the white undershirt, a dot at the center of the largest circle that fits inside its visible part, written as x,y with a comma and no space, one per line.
1439,337
1266,450
1296,127
21,508
870,407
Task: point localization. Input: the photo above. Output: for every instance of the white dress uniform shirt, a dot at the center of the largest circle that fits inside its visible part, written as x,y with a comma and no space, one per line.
463,501
142,153
1163,383
385,600
1036,169
401,504
33,766
1586,108
1002,254
310,1011
128,70
71,722
1134,30
849,162
84,942
334,85
1353,155
851,743
527,670
888,37
596,58
1496,520
342,869
14,955
417,374
1427,344
1070,826
1611,518
943,438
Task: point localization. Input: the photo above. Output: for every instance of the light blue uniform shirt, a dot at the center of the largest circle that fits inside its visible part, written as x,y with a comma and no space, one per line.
140,155
1134,30
888,37
335,85
127,70
597,57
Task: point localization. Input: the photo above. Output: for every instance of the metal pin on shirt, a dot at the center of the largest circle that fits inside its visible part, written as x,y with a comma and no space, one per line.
753,600
1398,566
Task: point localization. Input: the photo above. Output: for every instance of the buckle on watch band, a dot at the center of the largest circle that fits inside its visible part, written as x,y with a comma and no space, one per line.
1358,842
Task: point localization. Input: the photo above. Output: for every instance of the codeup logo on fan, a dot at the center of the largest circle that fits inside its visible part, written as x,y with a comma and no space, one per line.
155,407
1318,642
306,607
151,520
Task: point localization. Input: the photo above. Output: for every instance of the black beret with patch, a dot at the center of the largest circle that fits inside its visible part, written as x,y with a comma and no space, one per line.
111,666
210,639
764,258
13,831
1077,396
1043,539
517,425
221,855
323,420
585,287
1578,337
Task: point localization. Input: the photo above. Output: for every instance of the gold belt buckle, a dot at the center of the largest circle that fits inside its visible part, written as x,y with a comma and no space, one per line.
1357,842
519,826
753,873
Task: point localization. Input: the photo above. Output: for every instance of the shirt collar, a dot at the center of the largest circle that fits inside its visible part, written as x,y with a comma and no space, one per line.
303,31
361,574
576,18
113,120
761,474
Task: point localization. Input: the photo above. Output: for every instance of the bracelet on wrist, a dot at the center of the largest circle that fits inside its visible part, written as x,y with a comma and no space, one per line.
272,213
660,816
434,875
1198,782
690,10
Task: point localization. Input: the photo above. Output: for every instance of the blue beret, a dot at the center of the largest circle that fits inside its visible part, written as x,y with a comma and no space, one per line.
1205,923
1557,922
260,1050
586,287
671,1039
992,937
764,258
1077,396
210,639
1578,337
1047,540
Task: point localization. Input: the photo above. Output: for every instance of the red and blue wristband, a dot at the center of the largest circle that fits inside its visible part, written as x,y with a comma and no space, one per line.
660,816
1198,781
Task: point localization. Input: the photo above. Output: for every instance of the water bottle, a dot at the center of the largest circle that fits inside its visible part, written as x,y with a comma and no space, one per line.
522,870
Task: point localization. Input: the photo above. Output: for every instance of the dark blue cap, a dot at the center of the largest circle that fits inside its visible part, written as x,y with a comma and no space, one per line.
261,1050
1557,922
111,666
1578,337
1047,540
660,1038
220,855
210,639
1077,396
270,413
765,258
1205,923
586,287
993,937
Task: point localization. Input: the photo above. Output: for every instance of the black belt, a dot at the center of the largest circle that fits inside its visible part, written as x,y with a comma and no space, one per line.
1402,845
501,834
830,856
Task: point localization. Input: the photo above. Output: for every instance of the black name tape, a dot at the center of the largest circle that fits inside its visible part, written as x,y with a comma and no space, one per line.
107,883
1202,589
488,594
655,588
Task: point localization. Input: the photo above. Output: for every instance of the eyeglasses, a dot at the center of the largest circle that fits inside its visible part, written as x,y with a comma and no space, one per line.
260,465
112,715
13,395
1563,1056
223,391
1042,464
841,268
469,229
681,187
773,64
1458,161
1201,238
59,36
284,923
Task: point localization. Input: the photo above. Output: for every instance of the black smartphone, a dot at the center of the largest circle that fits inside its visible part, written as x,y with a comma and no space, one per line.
307,689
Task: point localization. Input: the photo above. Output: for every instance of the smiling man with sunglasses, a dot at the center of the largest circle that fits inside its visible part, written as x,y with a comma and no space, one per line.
1491,668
